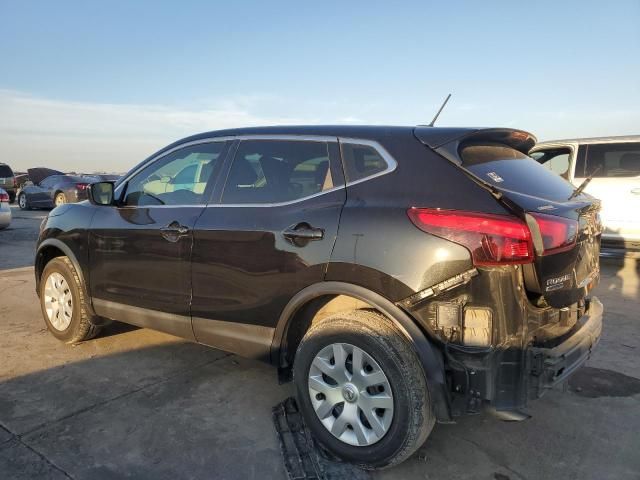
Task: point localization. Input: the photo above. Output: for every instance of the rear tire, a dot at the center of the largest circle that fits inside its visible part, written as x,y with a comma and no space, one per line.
387,354
59,199
64,304
23,202
12,197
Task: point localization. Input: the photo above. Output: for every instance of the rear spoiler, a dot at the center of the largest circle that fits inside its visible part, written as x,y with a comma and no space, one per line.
447,141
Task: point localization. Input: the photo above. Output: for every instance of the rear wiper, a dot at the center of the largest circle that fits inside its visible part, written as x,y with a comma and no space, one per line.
584,184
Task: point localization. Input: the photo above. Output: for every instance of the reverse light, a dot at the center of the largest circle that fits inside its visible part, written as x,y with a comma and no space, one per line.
492,239
557,234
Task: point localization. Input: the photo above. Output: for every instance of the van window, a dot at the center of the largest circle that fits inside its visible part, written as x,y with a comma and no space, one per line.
557,160
614,160
275,171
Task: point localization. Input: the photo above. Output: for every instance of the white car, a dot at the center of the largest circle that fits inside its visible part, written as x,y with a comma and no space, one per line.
5,210
614,164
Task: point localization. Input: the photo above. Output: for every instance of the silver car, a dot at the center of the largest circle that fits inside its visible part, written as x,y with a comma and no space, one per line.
5,210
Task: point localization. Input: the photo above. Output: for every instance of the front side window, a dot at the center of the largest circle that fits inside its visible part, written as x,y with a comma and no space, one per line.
610,160
179,178
275,171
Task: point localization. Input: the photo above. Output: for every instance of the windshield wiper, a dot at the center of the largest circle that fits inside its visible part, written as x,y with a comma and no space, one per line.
584,184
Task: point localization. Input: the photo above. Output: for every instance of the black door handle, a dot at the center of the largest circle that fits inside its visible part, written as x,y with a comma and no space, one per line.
174,231
303,232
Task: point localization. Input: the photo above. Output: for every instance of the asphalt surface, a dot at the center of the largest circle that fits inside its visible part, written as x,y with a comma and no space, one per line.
141,404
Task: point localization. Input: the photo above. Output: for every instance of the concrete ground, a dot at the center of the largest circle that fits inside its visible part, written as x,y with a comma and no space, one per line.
141,404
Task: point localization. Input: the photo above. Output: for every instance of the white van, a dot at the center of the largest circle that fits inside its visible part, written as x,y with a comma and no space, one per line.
614,163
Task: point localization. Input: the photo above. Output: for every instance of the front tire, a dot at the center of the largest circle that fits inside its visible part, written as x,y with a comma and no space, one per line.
64,304
362,390
23,203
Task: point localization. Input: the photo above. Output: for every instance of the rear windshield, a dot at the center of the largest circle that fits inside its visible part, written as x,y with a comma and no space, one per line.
5,171
509,169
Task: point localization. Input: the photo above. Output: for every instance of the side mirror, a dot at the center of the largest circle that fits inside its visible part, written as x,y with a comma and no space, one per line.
101,193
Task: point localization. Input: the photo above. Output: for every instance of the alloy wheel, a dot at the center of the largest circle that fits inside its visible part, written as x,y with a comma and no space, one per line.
350,394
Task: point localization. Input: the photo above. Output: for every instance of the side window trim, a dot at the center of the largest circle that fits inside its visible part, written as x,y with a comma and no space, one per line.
386,156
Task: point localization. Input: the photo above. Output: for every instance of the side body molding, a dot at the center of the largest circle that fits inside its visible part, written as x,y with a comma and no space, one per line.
430,357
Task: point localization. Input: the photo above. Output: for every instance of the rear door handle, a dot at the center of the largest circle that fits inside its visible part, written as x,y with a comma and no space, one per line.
303,232
174,231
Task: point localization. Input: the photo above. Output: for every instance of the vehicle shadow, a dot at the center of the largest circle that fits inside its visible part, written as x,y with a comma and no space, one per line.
181,410
178,410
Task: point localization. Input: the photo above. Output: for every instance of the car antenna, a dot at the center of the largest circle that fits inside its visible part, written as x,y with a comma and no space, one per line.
439,111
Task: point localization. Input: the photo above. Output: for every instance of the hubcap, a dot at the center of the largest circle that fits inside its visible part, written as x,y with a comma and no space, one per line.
58,302
59,199
23,201
350,394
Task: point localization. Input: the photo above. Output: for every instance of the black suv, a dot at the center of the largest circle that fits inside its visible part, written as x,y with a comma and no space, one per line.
400,275
8,181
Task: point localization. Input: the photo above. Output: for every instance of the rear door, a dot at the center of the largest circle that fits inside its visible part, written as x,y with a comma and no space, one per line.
616,183
565,230
140,251
270,235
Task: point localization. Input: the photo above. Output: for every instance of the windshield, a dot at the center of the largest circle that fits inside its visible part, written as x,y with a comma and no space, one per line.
507,168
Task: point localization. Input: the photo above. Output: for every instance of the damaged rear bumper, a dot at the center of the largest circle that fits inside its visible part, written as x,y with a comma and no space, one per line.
553,365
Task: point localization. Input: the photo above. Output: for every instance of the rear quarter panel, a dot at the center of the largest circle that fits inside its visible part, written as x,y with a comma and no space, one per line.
379,248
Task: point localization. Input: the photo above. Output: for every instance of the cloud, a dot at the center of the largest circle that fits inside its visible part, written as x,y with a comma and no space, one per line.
84,136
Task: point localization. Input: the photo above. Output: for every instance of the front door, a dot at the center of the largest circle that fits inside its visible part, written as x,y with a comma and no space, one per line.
140,251
270,236
617,183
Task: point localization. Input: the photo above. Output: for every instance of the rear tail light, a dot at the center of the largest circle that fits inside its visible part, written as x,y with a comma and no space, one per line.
558,234
82,186
4,197
492,239
15,182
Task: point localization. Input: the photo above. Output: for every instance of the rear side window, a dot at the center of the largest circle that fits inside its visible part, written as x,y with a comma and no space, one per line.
613,160
361,161
275,171
509,169
5,171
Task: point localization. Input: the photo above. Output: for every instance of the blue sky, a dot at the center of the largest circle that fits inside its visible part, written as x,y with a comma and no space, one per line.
92,84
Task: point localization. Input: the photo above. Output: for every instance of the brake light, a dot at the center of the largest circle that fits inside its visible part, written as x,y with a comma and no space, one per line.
82,186
492,239
558,234
4,197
